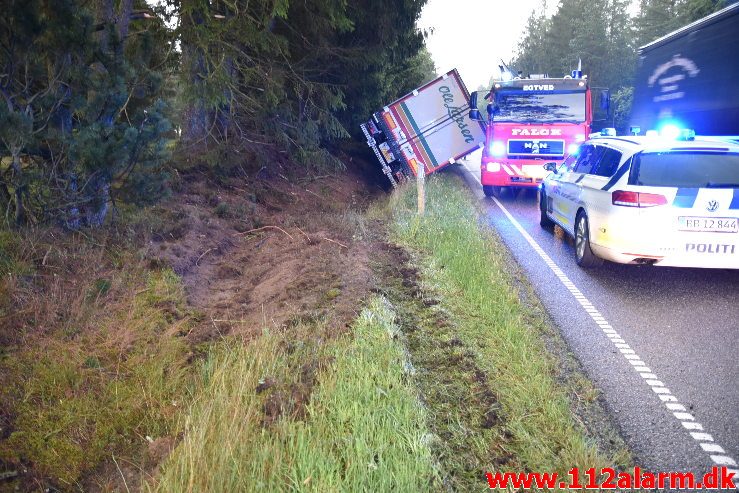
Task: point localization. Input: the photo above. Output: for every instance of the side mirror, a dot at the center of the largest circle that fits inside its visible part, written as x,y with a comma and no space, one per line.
551,167
473,100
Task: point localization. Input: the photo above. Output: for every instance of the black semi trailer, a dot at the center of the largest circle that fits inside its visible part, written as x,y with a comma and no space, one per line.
690,77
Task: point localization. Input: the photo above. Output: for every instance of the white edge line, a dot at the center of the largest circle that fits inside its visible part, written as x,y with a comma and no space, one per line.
670,401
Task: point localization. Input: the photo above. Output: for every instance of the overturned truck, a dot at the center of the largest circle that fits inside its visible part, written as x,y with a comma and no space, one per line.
426,129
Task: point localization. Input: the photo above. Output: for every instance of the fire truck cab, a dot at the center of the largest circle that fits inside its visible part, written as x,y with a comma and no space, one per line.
531,122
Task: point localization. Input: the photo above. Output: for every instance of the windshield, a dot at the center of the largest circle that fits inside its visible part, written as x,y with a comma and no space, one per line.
686,169
549,107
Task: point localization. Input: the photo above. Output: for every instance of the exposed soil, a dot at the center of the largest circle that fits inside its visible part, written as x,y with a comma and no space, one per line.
299,250
277,250
264,252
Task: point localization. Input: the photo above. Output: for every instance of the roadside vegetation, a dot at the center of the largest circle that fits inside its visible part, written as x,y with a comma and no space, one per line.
361,428
93,362
497,398
193,294
406,356
444,376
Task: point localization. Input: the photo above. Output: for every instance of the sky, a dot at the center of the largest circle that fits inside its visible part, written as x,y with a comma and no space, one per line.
474,39
473,36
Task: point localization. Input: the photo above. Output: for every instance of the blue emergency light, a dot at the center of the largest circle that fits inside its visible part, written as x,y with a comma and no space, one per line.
675,131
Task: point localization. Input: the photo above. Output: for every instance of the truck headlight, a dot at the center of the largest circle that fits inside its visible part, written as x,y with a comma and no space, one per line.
493,167
497,148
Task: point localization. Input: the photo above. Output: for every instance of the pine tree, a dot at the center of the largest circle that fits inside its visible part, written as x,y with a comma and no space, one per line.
84,121
692,10
655,19
533,54
81,112
621,51
291,76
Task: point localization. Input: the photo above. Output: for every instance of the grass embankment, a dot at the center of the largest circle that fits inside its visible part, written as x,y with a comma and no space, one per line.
493,396
93,365
496,397
448,379
360,429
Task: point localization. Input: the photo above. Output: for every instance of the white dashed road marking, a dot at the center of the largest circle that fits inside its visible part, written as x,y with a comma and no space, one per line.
671,403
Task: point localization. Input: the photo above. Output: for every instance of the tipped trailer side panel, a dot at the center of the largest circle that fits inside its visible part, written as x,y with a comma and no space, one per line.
426,129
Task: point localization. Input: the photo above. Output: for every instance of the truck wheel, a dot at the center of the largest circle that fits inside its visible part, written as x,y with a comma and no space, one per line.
544,220
583,254
491,191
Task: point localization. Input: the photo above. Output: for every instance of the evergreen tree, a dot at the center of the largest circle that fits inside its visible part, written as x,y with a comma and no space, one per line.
596,32
656,18
659,17
291,76
621,48
590,41
563,28
692,10
83,87
533,52
81,115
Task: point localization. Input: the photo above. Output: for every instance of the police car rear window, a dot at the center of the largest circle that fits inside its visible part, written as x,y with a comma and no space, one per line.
686,170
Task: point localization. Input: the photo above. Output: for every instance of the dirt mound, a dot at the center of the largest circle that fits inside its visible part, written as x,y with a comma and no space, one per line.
264,252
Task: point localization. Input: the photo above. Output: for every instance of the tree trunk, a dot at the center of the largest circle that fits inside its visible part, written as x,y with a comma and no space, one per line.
97,209
196,115
20,210
106,18
5,200
124,20
72,214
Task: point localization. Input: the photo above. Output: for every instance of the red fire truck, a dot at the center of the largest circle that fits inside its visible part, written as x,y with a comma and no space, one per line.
531,122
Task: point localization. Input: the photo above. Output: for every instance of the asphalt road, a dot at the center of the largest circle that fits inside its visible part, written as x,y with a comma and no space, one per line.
660,343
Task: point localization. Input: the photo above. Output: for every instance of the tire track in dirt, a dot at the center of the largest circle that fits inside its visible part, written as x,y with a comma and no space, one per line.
468,433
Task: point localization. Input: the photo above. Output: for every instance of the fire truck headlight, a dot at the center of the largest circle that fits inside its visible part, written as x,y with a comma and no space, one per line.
493,167
573,148
580,138
497,149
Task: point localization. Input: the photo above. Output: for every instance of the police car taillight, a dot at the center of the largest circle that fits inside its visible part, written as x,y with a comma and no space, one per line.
637,199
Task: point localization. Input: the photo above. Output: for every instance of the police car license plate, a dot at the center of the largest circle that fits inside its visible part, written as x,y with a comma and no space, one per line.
710,224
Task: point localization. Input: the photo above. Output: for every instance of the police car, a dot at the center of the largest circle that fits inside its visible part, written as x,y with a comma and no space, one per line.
667,200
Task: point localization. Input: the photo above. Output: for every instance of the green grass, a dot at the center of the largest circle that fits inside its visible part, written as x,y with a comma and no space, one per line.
11,255
83,396
493,391
361,427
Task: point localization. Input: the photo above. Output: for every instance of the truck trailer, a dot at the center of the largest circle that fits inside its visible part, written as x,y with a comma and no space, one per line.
690,78
425,130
